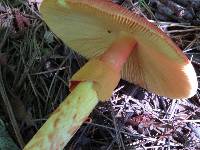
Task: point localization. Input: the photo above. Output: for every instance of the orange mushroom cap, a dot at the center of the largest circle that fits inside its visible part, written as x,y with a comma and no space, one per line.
91,26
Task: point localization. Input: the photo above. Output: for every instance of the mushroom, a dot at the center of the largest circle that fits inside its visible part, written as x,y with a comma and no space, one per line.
118,43
91,26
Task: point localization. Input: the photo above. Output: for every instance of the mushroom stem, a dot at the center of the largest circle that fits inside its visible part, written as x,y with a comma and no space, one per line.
119,52
66,119
72,112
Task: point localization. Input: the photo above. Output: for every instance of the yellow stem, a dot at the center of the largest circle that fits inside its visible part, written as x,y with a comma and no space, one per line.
66,119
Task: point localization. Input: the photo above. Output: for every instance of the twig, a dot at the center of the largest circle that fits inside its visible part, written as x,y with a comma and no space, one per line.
10,112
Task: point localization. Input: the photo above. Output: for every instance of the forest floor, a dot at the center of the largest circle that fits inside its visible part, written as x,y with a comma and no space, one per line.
35,68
